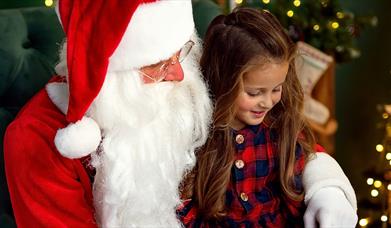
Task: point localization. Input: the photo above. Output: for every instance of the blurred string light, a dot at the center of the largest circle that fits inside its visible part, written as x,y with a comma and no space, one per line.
370,181
379,148
389,187
238,2
363,222
48,3
385,115
384,218
340,15
374,193
388,156
316,27
266,1
334,24
324,3
377,184
290,13
296,3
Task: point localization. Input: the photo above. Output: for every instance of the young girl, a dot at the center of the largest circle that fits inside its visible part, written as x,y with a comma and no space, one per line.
248,174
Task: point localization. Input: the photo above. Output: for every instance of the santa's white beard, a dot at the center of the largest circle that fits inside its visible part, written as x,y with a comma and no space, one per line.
150,133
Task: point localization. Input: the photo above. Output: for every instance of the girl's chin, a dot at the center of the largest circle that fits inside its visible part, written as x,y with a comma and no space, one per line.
255,121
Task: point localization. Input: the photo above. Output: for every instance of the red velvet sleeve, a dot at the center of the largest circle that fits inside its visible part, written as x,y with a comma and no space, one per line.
46,189
319,149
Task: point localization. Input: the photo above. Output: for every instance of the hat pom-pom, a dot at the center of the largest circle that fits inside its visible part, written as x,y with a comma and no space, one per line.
78,139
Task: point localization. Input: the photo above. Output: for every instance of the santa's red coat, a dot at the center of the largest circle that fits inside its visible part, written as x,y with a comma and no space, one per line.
46,189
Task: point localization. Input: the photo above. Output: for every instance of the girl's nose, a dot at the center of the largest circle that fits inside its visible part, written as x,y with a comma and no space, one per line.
266,102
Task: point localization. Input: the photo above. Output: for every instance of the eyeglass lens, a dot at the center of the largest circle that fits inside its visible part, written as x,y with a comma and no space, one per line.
185,51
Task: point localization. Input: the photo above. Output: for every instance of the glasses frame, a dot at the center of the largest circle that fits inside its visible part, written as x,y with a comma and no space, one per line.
162,70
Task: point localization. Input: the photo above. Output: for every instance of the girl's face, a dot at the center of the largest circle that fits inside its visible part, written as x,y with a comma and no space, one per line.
262,87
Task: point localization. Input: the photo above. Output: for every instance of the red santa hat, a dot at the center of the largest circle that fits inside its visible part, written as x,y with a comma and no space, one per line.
112,35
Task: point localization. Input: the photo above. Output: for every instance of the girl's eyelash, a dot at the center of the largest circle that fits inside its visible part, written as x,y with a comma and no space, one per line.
278,89
253,94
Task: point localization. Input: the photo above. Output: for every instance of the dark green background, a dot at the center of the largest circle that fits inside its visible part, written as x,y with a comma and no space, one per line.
360,86
10,4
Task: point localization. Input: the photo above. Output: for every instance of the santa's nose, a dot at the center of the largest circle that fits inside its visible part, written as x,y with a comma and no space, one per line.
174,72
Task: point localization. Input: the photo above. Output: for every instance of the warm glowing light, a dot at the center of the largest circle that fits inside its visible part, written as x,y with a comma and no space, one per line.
340,15
379,148
334,25
389,187
289,13
374,193
377,184
48,3
388,156
363,222
384,218
266,1
370,181
296,3
385,115
238,1
316,27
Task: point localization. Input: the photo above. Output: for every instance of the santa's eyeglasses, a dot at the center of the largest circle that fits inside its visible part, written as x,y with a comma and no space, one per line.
160,69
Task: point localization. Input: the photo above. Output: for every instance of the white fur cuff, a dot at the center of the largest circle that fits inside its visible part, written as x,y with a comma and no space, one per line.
78,139
323,171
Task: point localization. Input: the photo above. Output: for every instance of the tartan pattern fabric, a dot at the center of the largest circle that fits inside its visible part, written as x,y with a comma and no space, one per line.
254,197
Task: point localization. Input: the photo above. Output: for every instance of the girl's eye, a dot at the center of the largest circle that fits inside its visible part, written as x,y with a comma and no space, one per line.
278,89
253,93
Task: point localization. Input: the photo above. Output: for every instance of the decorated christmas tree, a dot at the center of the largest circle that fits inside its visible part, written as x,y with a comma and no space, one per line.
323,24
374,210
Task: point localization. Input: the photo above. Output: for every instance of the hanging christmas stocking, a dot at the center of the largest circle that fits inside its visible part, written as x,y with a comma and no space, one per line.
310,66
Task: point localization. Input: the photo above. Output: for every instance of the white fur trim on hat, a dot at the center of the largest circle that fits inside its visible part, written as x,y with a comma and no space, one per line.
58,93
156,31
78,139
323,171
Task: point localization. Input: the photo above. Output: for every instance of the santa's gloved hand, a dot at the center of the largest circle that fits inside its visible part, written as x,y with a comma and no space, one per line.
329,207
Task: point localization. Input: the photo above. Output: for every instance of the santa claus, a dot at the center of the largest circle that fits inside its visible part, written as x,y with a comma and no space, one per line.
108,141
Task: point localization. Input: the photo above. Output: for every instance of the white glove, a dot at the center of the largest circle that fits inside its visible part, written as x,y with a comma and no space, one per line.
329,207
323,171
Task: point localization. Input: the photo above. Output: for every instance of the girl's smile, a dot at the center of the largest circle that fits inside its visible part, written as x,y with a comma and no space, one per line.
259,114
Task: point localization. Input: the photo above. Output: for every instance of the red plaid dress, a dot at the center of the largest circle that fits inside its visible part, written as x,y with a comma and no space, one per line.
254,197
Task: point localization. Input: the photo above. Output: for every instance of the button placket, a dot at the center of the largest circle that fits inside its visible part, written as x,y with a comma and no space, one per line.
238,171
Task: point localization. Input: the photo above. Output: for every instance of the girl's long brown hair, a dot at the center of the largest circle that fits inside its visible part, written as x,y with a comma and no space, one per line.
231,46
